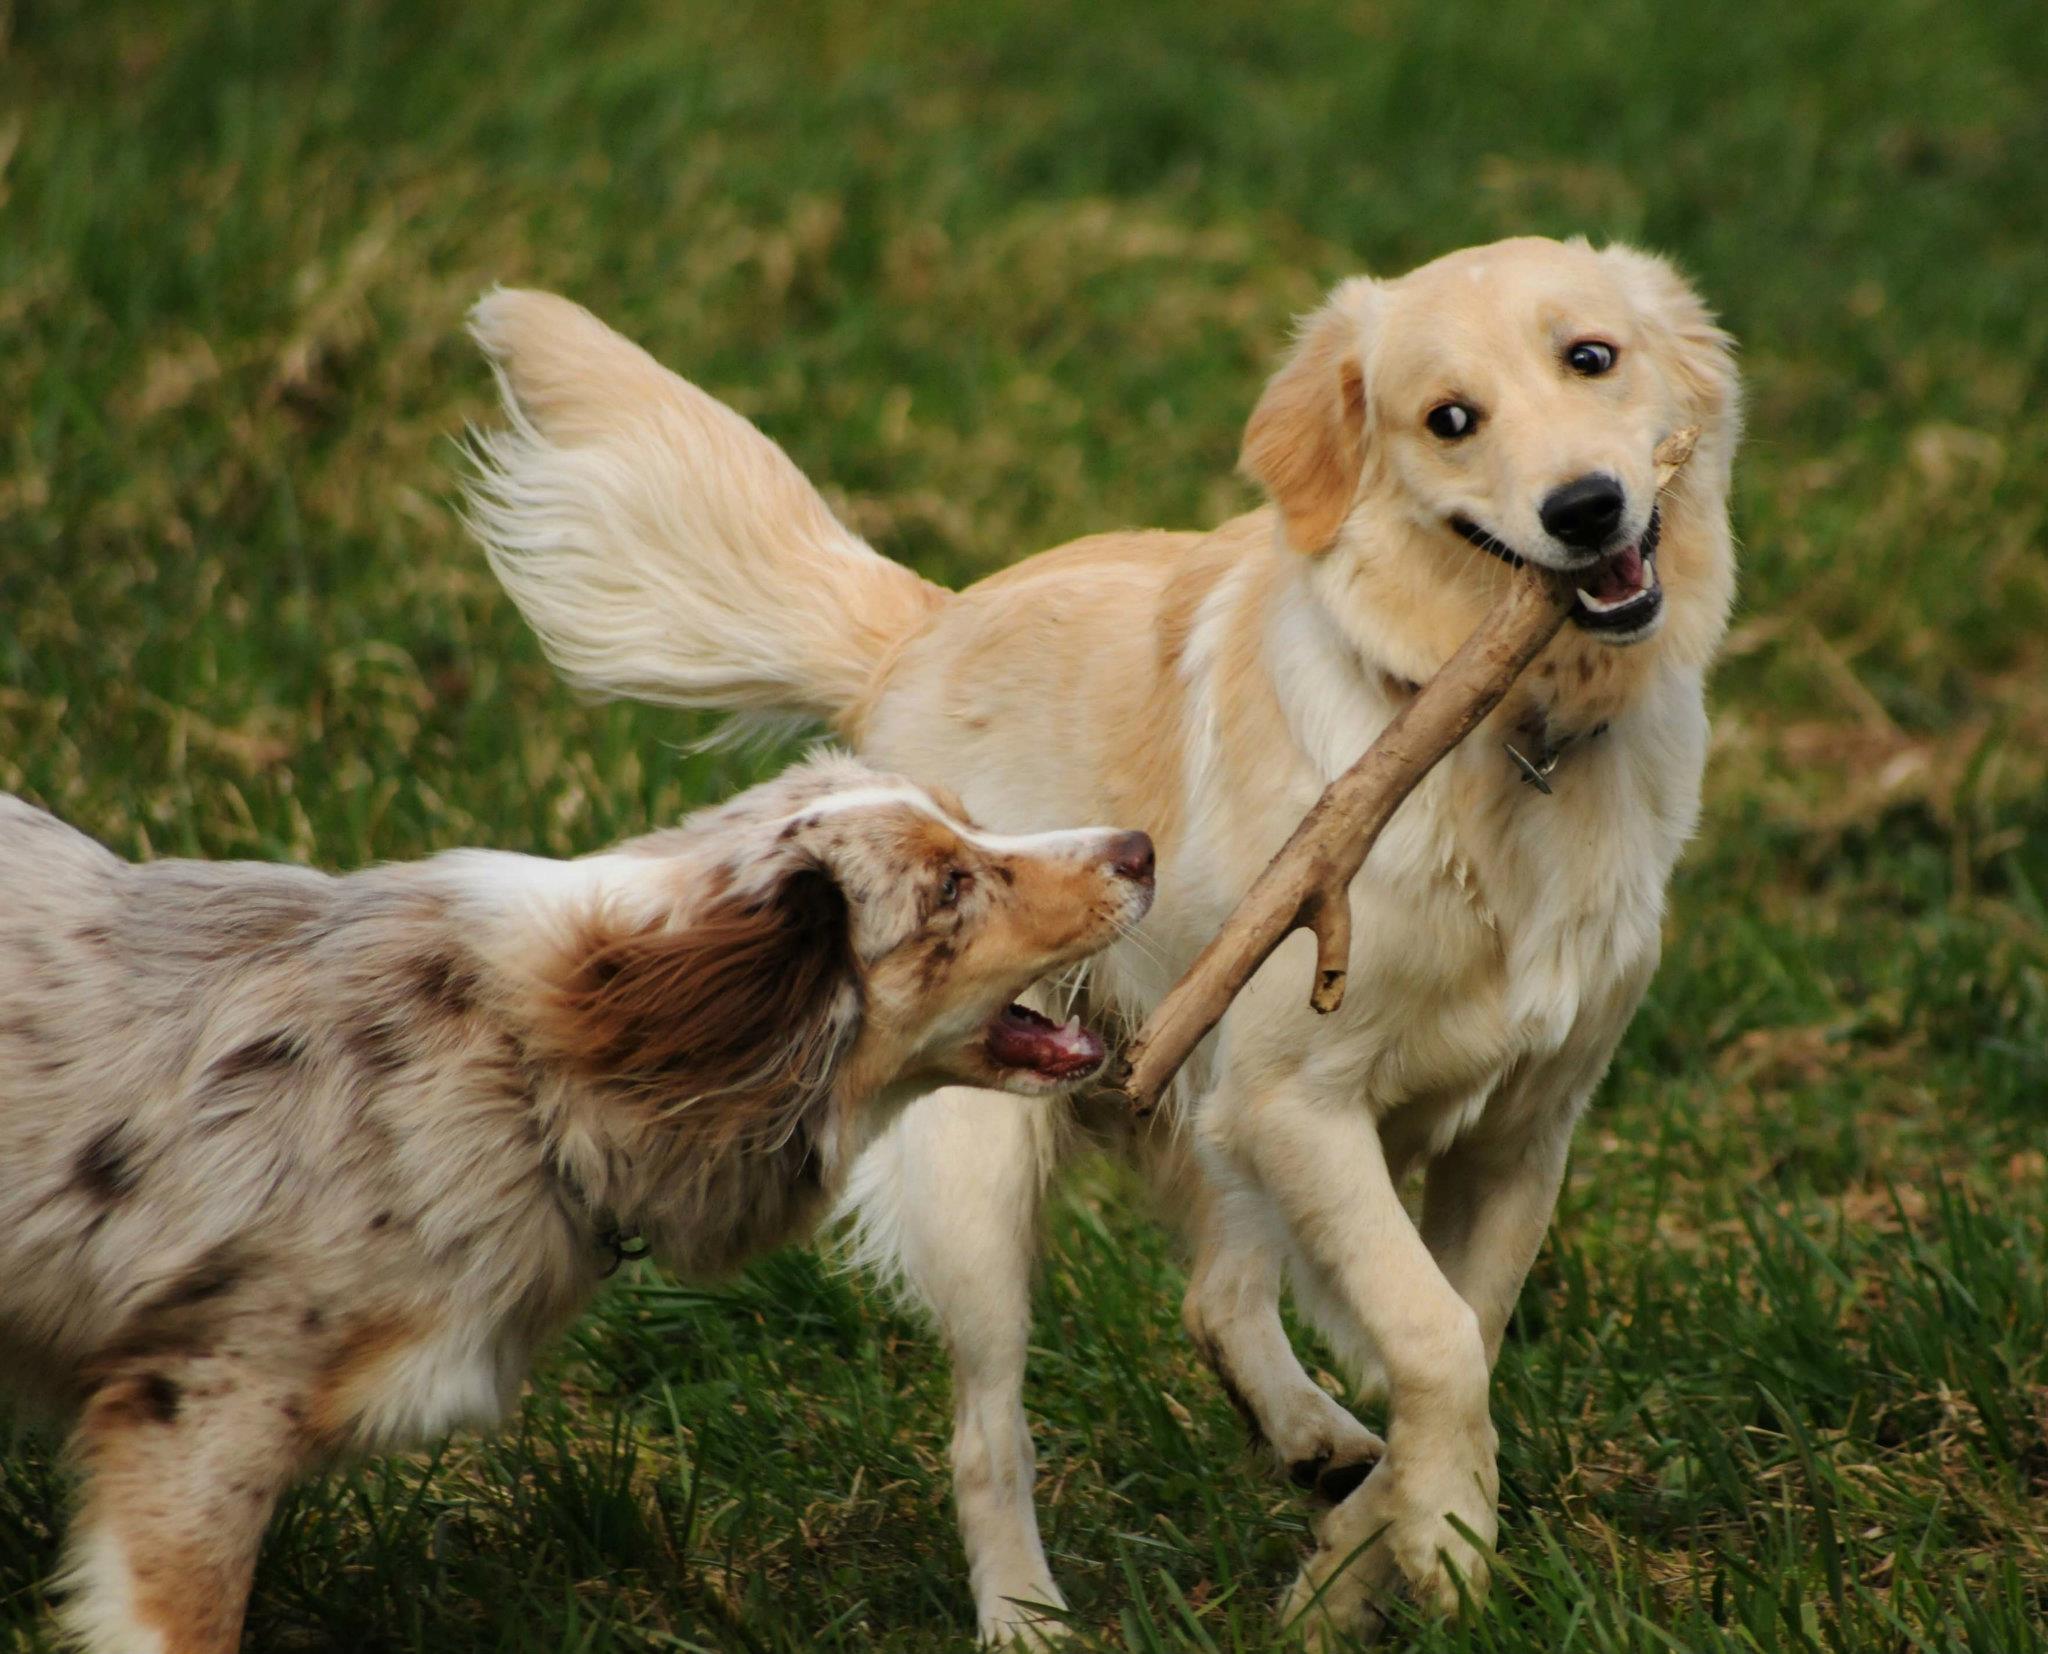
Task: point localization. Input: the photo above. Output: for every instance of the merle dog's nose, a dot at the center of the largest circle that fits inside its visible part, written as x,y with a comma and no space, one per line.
1585,512
1130,857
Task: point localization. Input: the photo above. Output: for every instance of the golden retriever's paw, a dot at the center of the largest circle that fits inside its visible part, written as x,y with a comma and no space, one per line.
1022,1625
1318,1442
1329,1616
1339,1462
1418,1529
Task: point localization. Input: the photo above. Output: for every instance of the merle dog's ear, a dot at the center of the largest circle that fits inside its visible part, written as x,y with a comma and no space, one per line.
752,998
1305,441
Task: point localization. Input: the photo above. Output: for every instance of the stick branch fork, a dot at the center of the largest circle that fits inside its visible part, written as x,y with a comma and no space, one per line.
1308,884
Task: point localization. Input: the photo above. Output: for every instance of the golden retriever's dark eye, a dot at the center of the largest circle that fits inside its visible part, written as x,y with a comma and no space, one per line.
1452,420
956,880
1590,357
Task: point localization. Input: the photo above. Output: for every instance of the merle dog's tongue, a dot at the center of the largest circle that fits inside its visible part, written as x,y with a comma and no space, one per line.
1619,576
1021,1038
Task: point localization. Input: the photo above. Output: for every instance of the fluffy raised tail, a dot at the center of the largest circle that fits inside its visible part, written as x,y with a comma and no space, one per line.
662,547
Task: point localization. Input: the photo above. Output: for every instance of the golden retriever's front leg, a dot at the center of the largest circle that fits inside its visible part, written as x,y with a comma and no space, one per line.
1486,1208
183,1465
1232,1313
1425,1518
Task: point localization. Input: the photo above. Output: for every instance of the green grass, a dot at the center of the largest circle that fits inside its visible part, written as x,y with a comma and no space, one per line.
1004,272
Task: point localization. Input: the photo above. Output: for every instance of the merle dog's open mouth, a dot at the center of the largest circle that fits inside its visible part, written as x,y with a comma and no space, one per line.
1020,1038
1619,594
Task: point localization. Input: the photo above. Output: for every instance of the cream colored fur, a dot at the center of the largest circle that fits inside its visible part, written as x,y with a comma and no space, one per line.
733,632
1207,686
293,1165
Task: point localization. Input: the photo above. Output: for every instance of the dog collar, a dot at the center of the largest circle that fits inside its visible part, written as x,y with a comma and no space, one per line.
624,1246
1546,749
1535,749
618,1243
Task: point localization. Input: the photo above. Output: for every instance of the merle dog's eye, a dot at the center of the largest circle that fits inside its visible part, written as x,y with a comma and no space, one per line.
1590,357
957,880
1452,420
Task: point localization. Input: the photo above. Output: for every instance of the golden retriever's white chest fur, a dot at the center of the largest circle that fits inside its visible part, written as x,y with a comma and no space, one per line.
1494,925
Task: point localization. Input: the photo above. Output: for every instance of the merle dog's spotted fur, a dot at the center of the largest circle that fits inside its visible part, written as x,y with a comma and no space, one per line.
293,1164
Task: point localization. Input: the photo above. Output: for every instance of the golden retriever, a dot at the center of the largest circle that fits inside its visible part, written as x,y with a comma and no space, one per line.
293,1165
1501,403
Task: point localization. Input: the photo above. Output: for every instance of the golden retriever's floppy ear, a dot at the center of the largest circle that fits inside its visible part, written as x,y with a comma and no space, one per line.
1305,442
1697,353
749,1003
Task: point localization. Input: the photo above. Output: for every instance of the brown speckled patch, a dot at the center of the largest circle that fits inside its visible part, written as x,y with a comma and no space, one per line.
105,1169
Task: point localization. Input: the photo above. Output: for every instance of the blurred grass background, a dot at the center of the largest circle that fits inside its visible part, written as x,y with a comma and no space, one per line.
1002,273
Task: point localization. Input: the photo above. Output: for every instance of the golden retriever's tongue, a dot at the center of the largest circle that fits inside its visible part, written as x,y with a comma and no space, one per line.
1021,1038
1619,576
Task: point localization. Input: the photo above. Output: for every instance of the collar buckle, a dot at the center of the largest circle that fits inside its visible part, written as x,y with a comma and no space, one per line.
1550,752
1537,775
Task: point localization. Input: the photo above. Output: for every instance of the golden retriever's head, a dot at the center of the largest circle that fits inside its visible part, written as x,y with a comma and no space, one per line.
1503,403
833,934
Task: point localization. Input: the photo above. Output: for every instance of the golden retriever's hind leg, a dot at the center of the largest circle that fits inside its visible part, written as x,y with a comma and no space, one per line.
183,1466
1232,1313
950,1197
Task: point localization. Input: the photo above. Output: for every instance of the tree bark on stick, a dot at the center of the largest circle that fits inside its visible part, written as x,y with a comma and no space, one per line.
1309,882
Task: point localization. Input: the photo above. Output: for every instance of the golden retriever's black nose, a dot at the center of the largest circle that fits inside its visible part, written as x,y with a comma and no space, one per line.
1130,857
1585,512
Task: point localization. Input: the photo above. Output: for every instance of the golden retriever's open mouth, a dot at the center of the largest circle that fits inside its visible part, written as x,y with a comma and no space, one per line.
1619,596
1019,1038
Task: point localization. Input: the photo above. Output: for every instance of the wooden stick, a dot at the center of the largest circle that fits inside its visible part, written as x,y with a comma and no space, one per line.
1309,882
